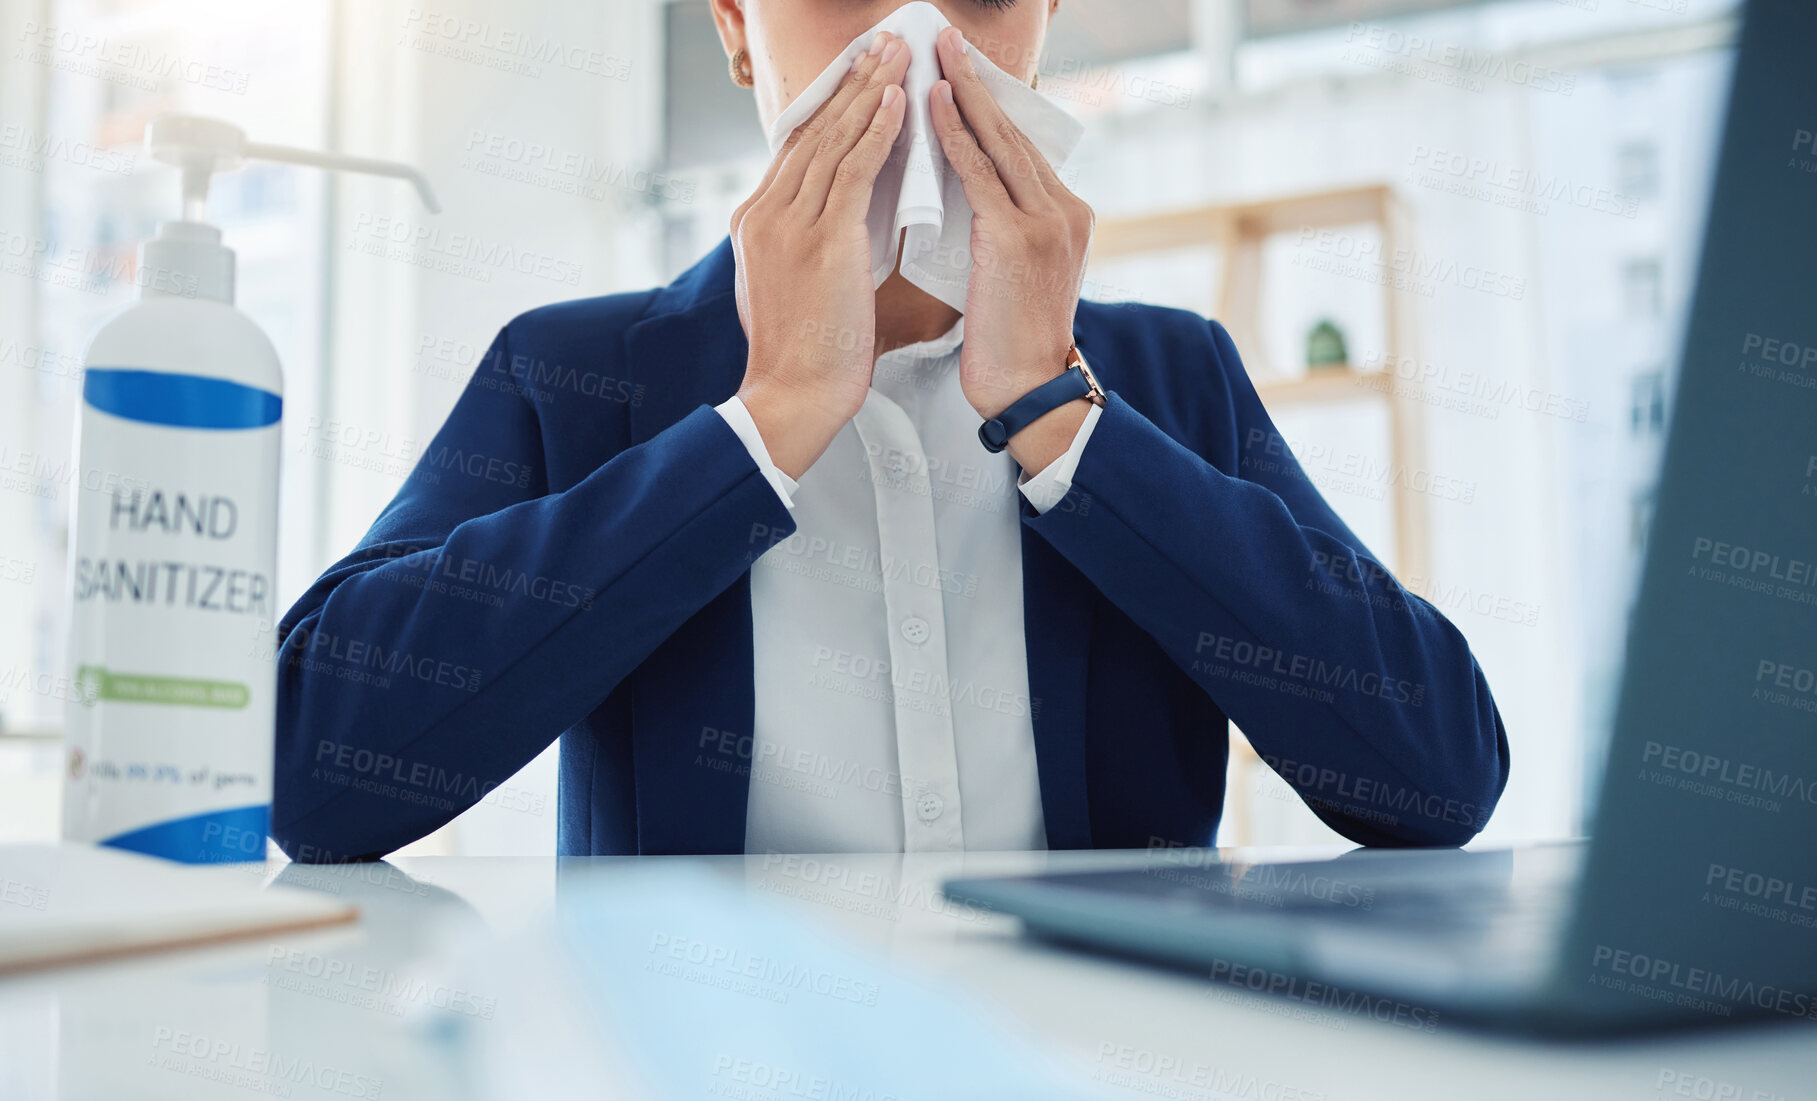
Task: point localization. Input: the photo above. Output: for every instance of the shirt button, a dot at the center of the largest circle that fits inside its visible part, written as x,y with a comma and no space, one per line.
929,806
916,630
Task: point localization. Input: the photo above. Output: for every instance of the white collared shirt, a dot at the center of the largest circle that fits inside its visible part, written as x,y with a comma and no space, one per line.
892,703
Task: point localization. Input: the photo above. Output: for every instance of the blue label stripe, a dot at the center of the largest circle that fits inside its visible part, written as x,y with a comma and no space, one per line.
215,837
180,401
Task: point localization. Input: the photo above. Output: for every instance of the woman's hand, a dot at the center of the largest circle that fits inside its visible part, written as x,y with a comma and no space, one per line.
805,294
1030,239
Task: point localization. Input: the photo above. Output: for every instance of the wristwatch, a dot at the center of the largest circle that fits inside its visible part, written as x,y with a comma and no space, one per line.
1076,382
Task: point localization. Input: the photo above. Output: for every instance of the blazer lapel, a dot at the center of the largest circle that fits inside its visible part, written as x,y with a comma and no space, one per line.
689,348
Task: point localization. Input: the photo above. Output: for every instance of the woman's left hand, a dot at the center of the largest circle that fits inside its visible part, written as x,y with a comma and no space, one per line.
1030,239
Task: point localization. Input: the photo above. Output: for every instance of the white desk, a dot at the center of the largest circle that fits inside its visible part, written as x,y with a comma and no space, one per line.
187,1025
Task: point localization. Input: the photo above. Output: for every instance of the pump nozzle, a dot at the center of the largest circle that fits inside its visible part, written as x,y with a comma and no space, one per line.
188,253
203,146
345,163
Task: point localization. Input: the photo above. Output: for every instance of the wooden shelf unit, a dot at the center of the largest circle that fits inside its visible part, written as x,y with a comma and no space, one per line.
1238,232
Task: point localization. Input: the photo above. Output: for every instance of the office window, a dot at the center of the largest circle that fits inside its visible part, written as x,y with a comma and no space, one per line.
1632,81
99,209
1640,517
1643,288
1637,170
1647,409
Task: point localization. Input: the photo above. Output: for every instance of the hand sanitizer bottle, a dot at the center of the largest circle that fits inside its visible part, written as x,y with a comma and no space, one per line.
170,739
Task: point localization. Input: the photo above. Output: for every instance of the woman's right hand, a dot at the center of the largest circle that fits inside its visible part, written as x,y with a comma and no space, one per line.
805,295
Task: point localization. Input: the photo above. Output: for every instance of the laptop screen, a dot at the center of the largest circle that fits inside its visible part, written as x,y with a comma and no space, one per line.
1709,800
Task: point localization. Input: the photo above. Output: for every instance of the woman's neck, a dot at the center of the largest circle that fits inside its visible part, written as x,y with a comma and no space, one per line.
906,314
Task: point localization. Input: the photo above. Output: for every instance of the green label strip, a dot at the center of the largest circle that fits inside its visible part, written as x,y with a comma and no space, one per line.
96,684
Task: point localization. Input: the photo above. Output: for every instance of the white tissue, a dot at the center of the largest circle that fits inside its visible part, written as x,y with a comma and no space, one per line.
918,190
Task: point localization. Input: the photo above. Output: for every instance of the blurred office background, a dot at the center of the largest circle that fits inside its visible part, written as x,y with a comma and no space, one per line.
1454,239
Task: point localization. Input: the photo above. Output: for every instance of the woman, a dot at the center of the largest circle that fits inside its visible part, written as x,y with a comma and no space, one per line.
745,551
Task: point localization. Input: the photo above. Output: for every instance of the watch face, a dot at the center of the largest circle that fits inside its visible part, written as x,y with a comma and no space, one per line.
1091,380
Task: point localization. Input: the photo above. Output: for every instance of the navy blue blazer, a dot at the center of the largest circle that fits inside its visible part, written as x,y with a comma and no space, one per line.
570,558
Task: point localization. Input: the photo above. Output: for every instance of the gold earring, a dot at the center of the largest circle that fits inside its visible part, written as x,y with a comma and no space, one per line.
1035,83
741,69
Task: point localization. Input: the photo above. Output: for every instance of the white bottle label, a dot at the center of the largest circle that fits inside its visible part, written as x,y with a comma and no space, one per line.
170,740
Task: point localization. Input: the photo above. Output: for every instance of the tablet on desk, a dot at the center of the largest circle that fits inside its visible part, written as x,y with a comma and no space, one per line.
75,903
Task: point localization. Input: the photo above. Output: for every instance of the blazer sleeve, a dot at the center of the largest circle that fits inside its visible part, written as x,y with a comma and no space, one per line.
1360,694
483,615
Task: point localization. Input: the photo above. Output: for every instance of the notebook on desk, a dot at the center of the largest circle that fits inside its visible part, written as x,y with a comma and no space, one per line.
73,903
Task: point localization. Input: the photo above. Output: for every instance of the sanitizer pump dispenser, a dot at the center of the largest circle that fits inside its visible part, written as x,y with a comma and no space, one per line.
170,727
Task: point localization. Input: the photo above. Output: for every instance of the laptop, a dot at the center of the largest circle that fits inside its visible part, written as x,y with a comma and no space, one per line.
1694,902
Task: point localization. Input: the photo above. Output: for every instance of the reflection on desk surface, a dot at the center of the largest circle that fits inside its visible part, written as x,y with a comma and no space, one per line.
463,980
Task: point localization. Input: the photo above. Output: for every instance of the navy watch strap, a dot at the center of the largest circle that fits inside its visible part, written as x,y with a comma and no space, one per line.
1032,406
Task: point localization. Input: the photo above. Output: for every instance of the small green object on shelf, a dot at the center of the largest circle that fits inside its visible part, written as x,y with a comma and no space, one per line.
1325,349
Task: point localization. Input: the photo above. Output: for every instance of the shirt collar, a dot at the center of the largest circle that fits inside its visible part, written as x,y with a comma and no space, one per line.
929,349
